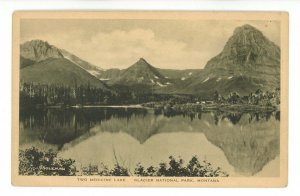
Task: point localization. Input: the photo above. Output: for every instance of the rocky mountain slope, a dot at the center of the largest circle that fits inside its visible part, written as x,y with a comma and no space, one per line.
92,69
43,63
249,61
36,51
59,71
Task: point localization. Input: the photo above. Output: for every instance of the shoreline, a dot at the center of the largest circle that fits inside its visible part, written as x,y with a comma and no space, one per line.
186,107
95,106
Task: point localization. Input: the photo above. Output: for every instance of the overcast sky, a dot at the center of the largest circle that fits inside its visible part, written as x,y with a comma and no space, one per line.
174,44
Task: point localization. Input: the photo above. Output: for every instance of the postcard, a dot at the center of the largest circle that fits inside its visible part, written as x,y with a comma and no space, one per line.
150,99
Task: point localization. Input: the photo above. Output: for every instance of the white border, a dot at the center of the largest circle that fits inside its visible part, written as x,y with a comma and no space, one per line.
6,10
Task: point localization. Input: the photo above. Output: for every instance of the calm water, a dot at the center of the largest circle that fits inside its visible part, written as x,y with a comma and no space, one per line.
242,144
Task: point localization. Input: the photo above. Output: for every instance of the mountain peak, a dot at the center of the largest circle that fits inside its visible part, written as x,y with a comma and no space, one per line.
141,72
37,42
39,50
141,64
142,61
248,45
246,28
248,61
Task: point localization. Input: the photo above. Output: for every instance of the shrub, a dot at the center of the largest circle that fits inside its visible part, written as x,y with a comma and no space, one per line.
176,168
35,162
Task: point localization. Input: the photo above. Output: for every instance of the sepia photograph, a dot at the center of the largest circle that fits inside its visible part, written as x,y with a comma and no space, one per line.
181,99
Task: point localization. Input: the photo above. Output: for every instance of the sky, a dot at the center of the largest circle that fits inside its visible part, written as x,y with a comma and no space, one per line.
168,44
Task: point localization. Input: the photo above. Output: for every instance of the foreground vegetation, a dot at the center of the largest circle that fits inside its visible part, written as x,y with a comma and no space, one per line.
35,162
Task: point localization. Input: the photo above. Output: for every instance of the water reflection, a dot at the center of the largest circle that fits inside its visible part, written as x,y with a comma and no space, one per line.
248,141
60,126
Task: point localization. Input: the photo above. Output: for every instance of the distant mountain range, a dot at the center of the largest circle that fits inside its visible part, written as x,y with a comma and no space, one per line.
142,76
249,61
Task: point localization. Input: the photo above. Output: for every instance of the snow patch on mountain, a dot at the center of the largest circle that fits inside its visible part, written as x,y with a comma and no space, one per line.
160,84
205,80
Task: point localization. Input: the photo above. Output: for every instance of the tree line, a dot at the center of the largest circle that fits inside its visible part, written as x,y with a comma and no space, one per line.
259,97
32,95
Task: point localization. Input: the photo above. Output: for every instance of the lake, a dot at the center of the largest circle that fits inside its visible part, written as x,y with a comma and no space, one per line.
242,144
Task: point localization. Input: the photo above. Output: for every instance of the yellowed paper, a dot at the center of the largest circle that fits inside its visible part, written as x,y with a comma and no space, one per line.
152,99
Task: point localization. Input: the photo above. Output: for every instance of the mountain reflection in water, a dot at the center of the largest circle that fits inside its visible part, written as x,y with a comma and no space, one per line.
241,142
